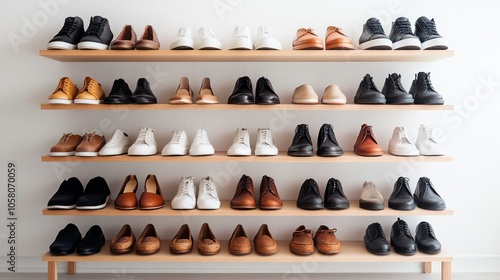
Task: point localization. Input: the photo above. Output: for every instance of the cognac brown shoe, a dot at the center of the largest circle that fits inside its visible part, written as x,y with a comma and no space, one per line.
337,40
243,197
90,93
149,241
207,243
151,198
182,242
149,40
206,95
239,244
325,240
264,242
306,39
123,242
66,145
90,145
126,198
64,93
302,242
269,197
126,39
184,93
366,143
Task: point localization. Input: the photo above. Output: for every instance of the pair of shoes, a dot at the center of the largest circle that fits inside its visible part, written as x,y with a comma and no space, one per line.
303,242
69,240
239,243
310,199
184,40
98,35
71,194
127,39
243,93
404,243
243,198
242,39
66,92
121,94
186,199
263,147
75,145
335,39
124,242
184,93
151,198
401,144
305,94
302,144
182,242
179,144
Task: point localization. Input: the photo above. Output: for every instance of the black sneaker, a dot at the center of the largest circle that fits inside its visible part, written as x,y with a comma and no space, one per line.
120,93
375,241
423,92
69,35
394,92
373,36
143,93
242,92
301,143
98,35
401,239
425,29
368,93
327,143
264,92
402,36
95,196
66,196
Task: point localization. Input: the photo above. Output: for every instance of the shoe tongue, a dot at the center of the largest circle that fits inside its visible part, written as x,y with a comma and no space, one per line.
372,20
97,18
401,19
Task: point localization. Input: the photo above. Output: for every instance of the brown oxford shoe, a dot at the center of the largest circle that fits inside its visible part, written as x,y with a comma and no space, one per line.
90,145
149,241
264,242
239,244
207,243
243,198
66,145
152,197
325,240
366,143
123,242
127,199
269,197
306,39
182,242
337,40
302,242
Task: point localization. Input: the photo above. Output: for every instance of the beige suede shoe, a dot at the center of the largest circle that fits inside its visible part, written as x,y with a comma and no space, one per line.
333,95
304,94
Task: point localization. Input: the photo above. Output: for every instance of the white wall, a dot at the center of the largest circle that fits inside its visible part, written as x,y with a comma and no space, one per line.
469,80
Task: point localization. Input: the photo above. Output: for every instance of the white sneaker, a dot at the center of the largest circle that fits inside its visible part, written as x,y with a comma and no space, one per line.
178,145
241,143
208,40
201,145
265,145
242,40
184,40
145,144
185,198
400,144
426,143
118,144
207,195
265,40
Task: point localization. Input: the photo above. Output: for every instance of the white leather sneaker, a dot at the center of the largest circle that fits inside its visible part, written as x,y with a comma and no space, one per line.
201,145
145,144
184,40
242,39
178,145
117,145
400,144
185,198
265,145
241,143
208,41
265,40
426,143
208,199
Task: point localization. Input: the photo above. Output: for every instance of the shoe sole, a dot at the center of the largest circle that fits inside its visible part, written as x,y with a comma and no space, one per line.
301,154
404,253
435,44
369,100
399,101
437,101
122,45
308,46
377,44
61,154
407,44
182,101
340,46
367,154
58,45
402,208
305,101
151,208
337,154
146,46
270,207
209,44
177,252
311,207
87,101
94,207
240,44
207,102
244,207
377,252
86,154
92,46
61,207
371,206
107,153
270,44
60,101
337,207
125,208
429,207
334,101
121,251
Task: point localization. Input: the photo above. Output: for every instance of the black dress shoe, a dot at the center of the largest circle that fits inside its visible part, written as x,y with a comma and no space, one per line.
368,93
309,197
301,143
95,196
120,93
143,93
67,195
401,239
375,241
394,92
426,240
327,143
242,93
335,198
264,92
401,198
426,197
92,242
66,240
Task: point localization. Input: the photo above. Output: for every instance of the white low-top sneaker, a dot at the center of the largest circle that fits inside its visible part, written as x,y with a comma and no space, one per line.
400,144
208,198
208,41
242,39
241,143
201,145
426,142
178,145
184,40
265,40
118,144
265,145
145,144
185,198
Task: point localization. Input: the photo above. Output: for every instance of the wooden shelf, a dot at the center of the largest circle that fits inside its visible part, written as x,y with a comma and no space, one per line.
245,56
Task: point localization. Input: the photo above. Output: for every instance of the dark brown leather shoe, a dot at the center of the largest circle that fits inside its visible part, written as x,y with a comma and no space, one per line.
264,242
127,199
325,240
366,143
149,241
269,197
182,242
126,39
149,40
239,244
151,198
243,198
123,242
207,243
302,241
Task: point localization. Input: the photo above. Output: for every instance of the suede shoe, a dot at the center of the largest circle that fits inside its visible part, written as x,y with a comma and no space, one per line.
426,239
242,92
182,242
92,242
426,196
327,143
371,198
401,239
326,241
95,196
304,94
64,93
67,195
375,241
333,95
264,242
335,198
123,242
148,242
244,195
90,93
90,145
66,241
302,242
207,242
239,244
301,143
206,95
309,197
183,94
401,198
66,146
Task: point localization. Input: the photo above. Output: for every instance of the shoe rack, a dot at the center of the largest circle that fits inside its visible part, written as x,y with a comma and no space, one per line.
352,251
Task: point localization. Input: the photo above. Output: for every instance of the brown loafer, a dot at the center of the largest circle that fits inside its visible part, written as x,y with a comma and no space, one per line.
151,198
149,241
264,242
302,242
149,40
325,240
184,93
243,198
123,242
269,197
126,39
182,242
206,95
239,244
207,243
127,199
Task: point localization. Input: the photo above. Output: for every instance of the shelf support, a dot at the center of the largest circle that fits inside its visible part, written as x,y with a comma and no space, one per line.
71,268
52,270
427,267
446,271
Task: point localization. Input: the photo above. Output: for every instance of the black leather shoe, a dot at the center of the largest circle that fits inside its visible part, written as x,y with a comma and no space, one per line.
335,198
143,93
327,143
66,240
394,91
426,197
301,143
309,197
264,93
242,93
401,239
68,37
423,92
375,241
426,240
95,196
67,195
98,35
120,93
368,93
92,242
401,198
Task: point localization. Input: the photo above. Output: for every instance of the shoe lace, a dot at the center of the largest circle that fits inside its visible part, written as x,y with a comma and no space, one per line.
205,31
208,187
429,130
142,135
241,32
182,32
264,135
201,137
430,27
403,227
429,231
376,230
88,136
66,137
404,27
369,83
427,81
241,136
68,27
176,138
63,83
402,135
375,27
95,27
397,83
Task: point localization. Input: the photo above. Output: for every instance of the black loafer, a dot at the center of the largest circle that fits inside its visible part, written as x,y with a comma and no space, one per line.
67,195
92,242
95,196
66,240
